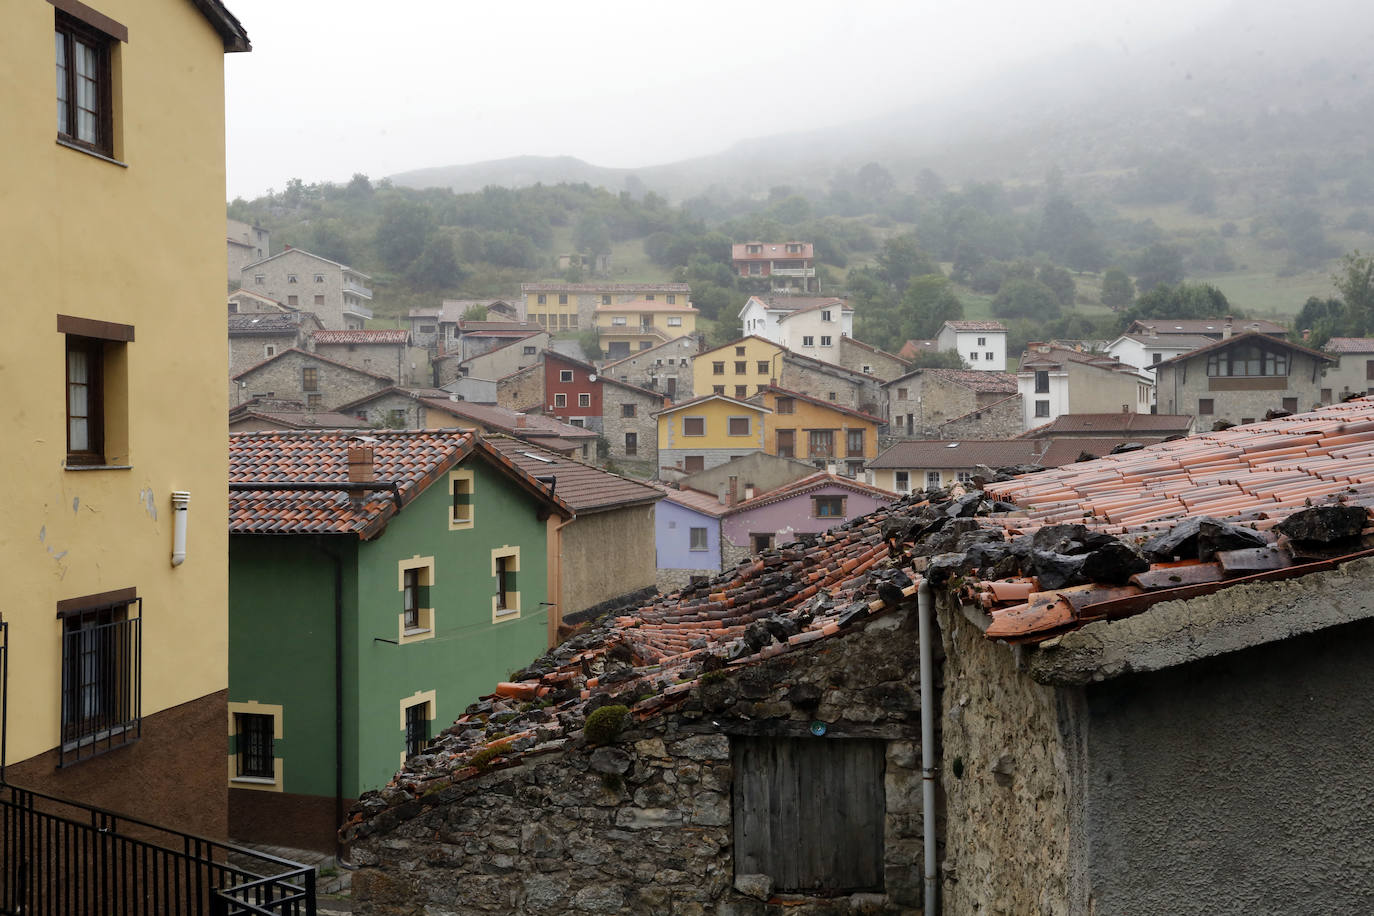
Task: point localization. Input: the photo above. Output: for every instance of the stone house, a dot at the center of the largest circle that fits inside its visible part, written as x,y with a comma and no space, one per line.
922,402
1058,380
1239,379
454,595
473,338
320,383
628,422
1353,372
510,356
981,344
570,306
1150,706
756,472
383,351
246,245
666,367
335,292
257,336
280,413
523,389
247,302
436,327
857,356
608,547
830,382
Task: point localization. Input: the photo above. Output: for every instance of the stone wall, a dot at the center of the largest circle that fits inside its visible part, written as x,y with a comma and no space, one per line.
711,457
523,390
882,366
1178,394
283,377
645,825
614,425
384,359
1002,420
930,402
1003,772
672,580
854,393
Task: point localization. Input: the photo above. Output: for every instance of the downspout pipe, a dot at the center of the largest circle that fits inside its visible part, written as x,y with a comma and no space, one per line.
924,602
181,505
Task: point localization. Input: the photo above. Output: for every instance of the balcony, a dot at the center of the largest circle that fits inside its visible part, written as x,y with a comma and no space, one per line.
351,286
794,272
360,311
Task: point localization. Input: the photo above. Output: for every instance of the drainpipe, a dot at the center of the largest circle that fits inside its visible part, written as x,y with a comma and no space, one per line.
923,609
181,503
555,585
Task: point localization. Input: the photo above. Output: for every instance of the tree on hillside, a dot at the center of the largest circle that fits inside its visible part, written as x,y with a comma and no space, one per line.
1117,292
1025,299
929,185
1159,264
401,235
1323,318
437,266
1355,282
946,359
591,235
901,259
928,303
359,187
1184,300
1069,236
1060,282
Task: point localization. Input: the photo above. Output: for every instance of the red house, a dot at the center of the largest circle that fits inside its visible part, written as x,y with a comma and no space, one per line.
572,390
790,265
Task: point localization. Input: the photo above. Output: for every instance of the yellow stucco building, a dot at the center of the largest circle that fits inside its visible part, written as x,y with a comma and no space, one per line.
113,210
709,431
810,429
628,327
739,369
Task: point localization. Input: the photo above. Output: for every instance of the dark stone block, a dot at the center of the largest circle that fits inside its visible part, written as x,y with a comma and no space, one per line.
1113,564
1325,524
1057,570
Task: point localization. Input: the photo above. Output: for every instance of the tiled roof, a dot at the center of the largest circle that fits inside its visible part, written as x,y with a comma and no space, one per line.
605,288
1161,424
801,303
821,586
974,325
828,405
805,485
771,251
1209,327
473,327
855,342
914,348
645,305
249,324
959,454
299,419
682,405
1350,345
511,422
405,463
386,336
1168,341
317,358
1066,450
581,486
989,382
1057,356
1243,338
699,500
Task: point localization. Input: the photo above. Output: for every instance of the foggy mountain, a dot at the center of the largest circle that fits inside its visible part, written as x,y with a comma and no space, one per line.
1253,87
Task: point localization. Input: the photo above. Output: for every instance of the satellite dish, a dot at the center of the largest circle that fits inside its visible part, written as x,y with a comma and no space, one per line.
591,378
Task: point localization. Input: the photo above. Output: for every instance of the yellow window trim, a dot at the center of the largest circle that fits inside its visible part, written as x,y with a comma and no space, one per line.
512,609
254,708
426,628
431,701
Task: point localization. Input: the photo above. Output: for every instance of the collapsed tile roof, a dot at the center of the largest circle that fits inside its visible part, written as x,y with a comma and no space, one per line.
264,466
1039,554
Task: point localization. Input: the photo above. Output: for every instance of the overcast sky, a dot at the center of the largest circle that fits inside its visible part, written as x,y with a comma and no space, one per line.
334,87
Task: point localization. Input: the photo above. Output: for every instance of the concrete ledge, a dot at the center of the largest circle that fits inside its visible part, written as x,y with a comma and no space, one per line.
1175,633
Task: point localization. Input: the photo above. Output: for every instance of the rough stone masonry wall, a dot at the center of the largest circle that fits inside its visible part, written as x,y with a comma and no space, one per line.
1003,772
854,394
644,825
523,390
643,424
1003,420
336,384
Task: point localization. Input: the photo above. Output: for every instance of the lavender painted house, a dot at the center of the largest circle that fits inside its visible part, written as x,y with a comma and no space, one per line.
686,537
808,506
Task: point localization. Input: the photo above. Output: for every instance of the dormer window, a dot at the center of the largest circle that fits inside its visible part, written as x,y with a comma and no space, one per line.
753,249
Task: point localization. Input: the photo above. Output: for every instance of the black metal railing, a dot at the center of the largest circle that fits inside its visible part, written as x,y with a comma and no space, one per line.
59,858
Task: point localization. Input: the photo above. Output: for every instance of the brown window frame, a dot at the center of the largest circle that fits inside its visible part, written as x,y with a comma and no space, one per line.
851,437
785,405
717,368
310,378
629,411
1206,407
94,417
829,500
74,31
741,391
763,367
731,425
820,443
698,422
410,598
631,444
787,443
741,367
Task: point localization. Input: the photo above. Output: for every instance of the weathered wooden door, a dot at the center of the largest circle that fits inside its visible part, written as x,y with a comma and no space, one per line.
809,812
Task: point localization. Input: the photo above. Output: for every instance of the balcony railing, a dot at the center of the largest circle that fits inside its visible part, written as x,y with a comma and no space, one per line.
794,271
354,287
59,857
361,311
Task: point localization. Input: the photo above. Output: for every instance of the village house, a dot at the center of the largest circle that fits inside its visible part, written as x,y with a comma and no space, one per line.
1211,328
246,302
317,381
740,369
283,413
258,336
335,292
1146,349
709,430
510,354
473,338
666,367
915,348
831,382
1056,380
384,351
928,403
787,266
756,472
436,327
827,435
630,327
341,641
608,547
857,356
1169,705
1239,379
562,307
113,638
687,537
1353,372
808,325
246,245
982,344
930,464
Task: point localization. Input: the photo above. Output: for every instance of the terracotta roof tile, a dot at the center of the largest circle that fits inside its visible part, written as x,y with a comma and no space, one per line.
975,325
388,336
771,251
1113,423
959,454
1350,345
581,486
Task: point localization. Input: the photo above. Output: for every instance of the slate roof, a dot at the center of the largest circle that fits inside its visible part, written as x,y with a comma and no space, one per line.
789,598
387,336
299,419
1168,341
962,324
1160,424
583,487
283,253
988,382
959,454
248,324
317,357
1057,356
1350,345
406,462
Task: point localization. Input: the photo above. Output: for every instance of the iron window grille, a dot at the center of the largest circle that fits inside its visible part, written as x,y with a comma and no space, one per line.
254,738
101,680
417,729
410,600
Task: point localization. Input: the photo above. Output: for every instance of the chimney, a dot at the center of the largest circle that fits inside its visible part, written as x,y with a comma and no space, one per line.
748,491
521,421
1154,331
1306,334
732,492
360,464
1226,328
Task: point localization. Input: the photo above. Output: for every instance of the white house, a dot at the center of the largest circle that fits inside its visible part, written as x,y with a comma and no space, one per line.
982,344
808,325
1354,369
1143,349
1053,381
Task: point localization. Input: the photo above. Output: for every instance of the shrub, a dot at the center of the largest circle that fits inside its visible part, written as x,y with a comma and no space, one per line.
483,758
605,723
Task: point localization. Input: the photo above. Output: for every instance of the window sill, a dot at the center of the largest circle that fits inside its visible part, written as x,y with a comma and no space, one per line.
90,152
98,467
254,780
416,631
505,612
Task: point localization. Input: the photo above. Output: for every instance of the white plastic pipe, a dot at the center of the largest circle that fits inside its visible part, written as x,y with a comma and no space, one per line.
923,611
181,502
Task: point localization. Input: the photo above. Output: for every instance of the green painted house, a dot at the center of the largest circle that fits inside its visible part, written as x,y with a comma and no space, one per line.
378,585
